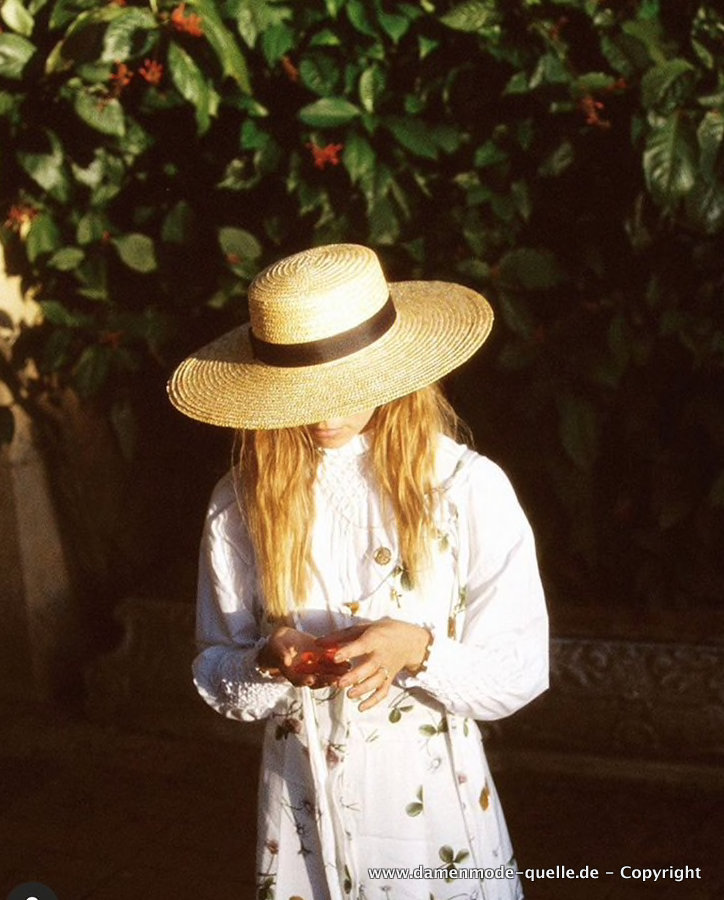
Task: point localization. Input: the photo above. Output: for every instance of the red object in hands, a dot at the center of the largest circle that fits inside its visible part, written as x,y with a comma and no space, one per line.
317,662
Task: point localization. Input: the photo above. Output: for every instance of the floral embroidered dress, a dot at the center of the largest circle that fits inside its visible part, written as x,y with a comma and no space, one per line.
404,785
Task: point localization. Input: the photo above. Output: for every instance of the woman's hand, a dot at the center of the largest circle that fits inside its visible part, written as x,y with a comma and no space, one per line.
379,651
301,660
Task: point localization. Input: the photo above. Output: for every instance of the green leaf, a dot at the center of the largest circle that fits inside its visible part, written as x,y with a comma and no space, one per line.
592,83
393,25
446,853
137,252
489,154
517,84
15,53
558,161
66,259
668,85
238,243
414,135
710,135
7,425
371,87
104,114
92,369
193,87
58,314
472,15
17,17
178,225
649,34
48,169
223,44
670,160
705,206
320,74
65,11
357,14
276,42
79,43
578,430
531,269
120,40
358,157
43,237
329,112
516,315
414,809
550,70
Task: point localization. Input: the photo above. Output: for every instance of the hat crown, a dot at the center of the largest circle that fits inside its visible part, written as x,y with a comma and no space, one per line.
316,294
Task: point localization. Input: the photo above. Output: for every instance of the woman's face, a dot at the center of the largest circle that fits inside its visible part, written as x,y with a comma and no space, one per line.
336,432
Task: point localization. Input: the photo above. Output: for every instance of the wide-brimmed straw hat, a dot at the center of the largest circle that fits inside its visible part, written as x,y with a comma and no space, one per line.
327,338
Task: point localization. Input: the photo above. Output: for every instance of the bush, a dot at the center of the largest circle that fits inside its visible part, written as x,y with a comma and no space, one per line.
563,156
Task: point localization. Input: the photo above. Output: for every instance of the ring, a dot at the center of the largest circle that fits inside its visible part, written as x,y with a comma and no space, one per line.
386,671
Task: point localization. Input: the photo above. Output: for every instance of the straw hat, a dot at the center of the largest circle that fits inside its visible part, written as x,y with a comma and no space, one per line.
329,337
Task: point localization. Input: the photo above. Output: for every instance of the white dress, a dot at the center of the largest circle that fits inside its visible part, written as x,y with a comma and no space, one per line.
404,785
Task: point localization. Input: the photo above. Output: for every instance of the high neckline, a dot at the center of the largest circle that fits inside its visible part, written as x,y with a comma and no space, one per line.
355,446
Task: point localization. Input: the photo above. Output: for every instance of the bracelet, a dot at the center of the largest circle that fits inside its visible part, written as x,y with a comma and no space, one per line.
426,658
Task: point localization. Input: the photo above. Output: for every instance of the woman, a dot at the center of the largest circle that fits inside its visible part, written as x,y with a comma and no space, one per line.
367,585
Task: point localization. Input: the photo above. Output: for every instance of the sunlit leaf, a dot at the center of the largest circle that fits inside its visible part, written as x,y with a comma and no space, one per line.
15,53
671,160
137,252
328,112
472,15
223,43
121,36
667,85
104,114
16,16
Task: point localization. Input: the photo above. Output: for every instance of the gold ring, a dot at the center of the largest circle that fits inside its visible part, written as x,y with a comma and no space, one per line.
386,671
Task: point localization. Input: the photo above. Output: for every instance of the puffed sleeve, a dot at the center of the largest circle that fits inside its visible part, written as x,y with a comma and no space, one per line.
228,630
499,661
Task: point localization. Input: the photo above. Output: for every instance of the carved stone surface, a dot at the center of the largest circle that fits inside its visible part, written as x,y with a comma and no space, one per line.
619,699
656,701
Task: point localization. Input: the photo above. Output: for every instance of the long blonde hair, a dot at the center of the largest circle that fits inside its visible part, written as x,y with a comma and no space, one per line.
275,472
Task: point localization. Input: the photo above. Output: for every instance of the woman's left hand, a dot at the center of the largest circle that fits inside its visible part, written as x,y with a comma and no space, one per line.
379,651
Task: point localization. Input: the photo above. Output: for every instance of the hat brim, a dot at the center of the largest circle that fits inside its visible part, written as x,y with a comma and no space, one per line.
438,327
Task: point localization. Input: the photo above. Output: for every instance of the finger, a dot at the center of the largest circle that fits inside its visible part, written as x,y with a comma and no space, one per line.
370,679
359,674
376,697
352,650
342,636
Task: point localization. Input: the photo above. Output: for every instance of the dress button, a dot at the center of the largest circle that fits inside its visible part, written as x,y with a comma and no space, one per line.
383,555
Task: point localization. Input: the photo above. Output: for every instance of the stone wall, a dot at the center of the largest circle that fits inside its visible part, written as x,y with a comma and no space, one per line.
641,706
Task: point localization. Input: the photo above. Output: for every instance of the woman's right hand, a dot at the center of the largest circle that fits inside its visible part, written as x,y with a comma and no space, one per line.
298,657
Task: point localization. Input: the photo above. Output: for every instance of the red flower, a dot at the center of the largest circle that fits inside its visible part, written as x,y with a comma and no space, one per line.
290,69
324,156
189,24
111,339
19,218
590,108
151,71
121,78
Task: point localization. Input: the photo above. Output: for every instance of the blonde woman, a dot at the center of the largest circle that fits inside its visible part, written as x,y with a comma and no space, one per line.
368,585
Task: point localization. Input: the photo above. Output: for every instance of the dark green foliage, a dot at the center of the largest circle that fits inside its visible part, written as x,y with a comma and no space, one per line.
564,156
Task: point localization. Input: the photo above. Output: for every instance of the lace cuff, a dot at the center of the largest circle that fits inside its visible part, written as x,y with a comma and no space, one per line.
229,681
